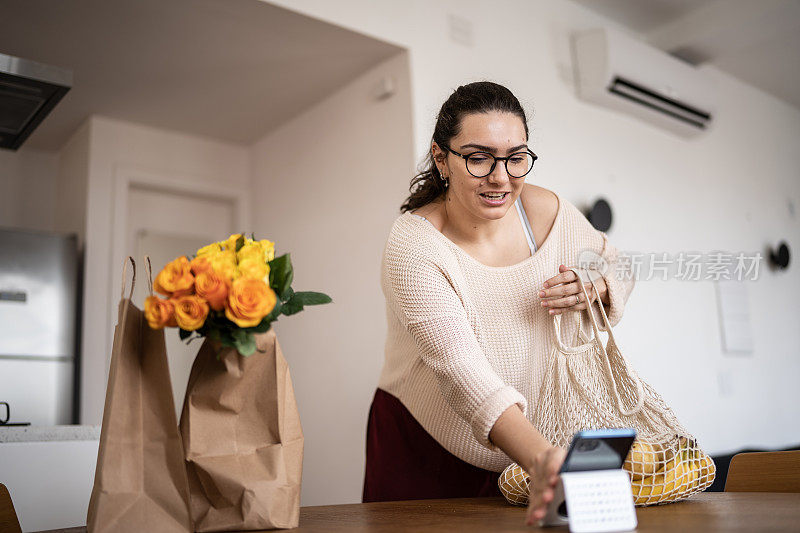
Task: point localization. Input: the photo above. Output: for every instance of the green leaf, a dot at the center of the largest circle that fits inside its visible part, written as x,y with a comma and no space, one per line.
276,311
239,242
300,299
293,306
287,295
281,274
312,298
184,334
245,342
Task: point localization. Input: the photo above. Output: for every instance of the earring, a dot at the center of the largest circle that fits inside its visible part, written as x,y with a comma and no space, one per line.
445,179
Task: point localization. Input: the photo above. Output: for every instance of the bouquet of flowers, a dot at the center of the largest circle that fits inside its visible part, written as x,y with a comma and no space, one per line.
228,292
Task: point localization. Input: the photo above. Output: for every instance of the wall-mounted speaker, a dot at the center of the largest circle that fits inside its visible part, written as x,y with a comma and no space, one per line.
779,257
600,215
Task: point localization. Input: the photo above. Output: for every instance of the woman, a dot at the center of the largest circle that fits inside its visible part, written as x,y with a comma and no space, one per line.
470,303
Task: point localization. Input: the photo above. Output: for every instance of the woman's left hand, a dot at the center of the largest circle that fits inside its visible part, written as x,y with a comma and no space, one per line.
563,292
544,476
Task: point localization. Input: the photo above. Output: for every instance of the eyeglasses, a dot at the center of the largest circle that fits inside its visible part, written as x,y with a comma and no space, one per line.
481,164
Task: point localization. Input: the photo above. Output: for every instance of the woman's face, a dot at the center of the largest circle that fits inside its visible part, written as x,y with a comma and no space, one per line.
498,133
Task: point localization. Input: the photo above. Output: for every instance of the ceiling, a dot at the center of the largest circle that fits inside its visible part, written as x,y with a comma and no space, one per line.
227,69
757,41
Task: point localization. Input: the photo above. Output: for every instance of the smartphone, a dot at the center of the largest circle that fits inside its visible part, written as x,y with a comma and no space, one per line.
596,449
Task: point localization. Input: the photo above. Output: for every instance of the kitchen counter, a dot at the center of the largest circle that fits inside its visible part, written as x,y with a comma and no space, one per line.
53,464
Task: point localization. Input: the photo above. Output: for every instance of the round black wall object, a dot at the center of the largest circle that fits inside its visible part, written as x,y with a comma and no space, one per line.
780,257
600,215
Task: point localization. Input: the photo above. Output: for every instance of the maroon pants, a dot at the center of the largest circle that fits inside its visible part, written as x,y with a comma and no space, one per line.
405,463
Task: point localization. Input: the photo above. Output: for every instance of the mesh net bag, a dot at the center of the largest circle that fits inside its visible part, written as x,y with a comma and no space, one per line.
514,483
591,386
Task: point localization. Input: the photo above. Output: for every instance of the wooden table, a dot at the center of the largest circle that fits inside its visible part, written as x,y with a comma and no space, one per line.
706,512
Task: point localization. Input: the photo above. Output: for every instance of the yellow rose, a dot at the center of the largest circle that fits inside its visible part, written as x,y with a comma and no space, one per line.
230,244
175,279
269,249
211,249
224,264
250,250
254,268
249,300
159,313
212,287
190,311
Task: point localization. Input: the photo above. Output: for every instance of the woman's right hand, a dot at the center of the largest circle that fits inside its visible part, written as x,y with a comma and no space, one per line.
544,476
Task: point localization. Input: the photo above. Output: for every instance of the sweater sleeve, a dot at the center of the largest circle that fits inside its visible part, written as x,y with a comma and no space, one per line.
428,305
617,274
619,282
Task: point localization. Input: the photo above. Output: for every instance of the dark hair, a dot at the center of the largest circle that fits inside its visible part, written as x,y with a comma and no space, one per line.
477,97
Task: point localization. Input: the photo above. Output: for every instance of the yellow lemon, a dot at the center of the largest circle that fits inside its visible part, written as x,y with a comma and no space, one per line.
646,459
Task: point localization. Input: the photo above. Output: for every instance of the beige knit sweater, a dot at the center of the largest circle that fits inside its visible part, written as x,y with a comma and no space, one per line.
466,341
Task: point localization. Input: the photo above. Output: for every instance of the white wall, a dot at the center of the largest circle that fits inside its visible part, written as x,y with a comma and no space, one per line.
115,148
326,188
727,190
72,184
27,189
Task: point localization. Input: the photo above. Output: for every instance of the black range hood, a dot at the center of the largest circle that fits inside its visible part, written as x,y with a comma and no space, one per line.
28,92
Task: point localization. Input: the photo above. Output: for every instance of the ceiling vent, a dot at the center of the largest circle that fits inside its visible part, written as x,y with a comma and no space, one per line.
622,73
28,92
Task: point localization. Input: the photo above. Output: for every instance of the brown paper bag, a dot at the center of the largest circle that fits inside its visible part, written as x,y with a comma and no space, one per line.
140,481
243,441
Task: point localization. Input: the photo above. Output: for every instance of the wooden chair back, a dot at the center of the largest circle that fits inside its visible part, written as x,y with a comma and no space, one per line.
764,472
8,516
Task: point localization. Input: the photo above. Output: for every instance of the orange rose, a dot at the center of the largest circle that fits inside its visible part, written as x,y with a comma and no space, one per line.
212,287
249,300
200,264
159,313
175,279
190,311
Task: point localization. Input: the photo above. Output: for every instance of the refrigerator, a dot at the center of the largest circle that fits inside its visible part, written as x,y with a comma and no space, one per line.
39,324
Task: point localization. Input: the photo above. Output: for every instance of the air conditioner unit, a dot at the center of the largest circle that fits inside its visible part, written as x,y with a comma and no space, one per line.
620,72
